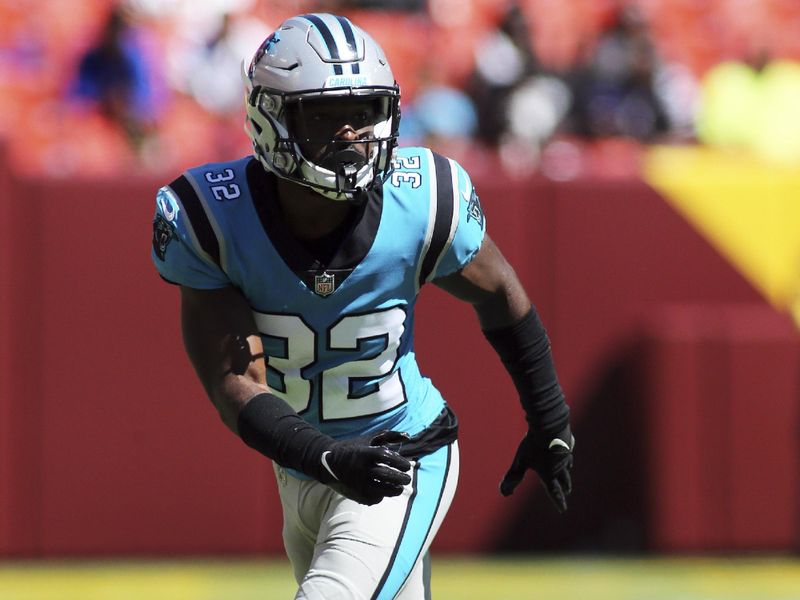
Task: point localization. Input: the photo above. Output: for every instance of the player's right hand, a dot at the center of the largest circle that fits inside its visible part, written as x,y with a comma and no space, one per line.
365,469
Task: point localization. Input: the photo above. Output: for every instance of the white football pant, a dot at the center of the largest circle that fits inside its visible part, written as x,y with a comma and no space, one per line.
342,550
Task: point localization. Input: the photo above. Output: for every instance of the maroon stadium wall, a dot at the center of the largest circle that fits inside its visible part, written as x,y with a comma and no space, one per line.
683,384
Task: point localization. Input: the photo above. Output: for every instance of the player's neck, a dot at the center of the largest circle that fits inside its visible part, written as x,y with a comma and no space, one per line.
310,215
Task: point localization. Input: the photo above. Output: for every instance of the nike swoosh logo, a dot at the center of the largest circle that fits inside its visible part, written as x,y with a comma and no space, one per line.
324,459
554,443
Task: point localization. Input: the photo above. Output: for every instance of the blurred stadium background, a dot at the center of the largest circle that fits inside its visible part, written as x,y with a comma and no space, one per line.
638,161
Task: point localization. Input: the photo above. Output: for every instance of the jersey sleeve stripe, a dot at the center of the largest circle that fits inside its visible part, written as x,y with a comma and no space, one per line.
432,203
446,215
212,220
200,225
456,214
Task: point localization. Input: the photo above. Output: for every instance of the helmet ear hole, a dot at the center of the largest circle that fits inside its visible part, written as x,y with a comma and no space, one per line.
311,59
280,161
267,103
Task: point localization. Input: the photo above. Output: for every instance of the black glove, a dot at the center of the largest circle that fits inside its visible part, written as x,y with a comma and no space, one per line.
551,459
364,469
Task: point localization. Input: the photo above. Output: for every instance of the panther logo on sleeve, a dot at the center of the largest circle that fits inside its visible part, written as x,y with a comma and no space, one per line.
474,209
163,234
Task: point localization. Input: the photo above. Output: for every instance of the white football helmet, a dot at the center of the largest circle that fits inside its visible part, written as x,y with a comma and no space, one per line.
310,59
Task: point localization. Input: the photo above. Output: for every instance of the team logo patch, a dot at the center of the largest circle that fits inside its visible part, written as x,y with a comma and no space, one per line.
266,47
163,234
474,209
324,284
270,42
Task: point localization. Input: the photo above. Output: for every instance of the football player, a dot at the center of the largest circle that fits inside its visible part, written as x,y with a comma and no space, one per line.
299,268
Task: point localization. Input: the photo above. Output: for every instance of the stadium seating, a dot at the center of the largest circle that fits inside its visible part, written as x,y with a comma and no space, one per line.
40,49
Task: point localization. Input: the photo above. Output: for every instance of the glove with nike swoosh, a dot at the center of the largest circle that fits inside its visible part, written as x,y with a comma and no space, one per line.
365,469
552,461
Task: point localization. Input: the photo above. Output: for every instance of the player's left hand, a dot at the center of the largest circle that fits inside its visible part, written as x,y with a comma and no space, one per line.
552,461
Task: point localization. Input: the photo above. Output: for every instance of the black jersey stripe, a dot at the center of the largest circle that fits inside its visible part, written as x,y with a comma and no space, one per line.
403,528
444,216
197,217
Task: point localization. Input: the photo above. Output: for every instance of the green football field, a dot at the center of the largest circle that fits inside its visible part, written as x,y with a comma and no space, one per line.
563,578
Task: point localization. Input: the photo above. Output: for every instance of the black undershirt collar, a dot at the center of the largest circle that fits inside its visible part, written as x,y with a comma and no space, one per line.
336,253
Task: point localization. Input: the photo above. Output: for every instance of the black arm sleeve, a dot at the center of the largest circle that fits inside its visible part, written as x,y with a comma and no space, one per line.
524,349
270,426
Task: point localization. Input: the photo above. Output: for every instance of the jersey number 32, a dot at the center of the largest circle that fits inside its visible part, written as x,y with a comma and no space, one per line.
352,362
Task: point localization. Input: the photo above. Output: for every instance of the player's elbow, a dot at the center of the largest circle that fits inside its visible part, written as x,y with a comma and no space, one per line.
227,410
504,306
231,394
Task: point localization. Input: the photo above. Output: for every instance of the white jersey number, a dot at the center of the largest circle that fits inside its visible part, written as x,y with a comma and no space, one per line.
355,388
399,177
298,342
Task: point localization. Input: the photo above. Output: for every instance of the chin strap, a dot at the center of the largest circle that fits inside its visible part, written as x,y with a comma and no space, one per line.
346,176
345,163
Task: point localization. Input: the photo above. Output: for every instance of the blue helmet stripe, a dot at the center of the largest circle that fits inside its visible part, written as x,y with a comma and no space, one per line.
350,37
326,34
327,37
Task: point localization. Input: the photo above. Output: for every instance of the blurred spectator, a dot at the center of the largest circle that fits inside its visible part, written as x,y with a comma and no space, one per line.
115,76
615,90
503,60
405,5
211,74
751,105
213,69
520,104
440,115
623,87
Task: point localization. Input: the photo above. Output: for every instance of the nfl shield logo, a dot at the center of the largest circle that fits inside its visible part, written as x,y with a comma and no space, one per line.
323,284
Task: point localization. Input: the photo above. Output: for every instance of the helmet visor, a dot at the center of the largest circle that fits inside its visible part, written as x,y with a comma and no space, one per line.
332,130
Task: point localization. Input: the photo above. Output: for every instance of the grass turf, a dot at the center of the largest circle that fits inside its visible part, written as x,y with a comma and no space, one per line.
565,578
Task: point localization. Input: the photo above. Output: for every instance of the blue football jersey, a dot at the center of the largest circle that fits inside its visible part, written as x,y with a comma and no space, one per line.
338,337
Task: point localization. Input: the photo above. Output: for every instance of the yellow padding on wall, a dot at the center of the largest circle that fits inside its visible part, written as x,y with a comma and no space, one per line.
749,210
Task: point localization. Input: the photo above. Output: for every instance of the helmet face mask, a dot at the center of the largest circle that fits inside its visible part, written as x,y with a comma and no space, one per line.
311,124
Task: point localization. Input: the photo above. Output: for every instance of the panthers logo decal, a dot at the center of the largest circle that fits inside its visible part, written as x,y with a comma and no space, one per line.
474,209
163,234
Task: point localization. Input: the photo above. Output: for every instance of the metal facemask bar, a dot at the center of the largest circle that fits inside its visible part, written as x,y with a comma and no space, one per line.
345,165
